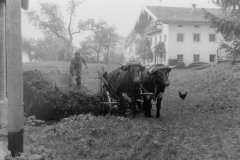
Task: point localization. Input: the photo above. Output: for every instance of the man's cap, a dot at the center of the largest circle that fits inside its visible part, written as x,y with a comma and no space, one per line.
77,52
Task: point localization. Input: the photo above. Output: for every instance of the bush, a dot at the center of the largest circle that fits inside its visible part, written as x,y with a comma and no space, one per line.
35,84
175,62
197,64
53,105
172,62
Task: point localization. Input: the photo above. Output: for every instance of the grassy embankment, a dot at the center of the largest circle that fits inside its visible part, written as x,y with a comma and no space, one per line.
205,126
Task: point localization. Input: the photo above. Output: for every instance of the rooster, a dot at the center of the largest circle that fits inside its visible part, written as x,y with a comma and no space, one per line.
56,87
182,95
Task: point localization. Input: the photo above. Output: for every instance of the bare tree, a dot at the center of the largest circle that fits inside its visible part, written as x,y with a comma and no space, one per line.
51,21
104,35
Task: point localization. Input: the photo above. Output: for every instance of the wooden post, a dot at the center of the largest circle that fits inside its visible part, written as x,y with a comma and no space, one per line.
25,4
3,101
14,76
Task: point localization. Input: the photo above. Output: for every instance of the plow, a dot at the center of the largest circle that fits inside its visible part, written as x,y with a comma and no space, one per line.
109,96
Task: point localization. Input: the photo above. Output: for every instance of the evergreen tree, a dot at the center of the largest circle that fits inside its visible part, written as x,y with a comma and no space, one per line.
143,48
228,25
160,50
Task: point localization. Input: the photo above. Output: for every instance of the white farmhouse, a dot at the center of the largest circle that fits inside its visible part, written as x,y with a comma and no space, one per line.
187,35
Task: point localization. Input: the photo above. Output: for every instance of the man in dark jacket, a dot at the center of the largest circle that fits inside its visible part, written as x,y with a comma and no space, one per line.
76,68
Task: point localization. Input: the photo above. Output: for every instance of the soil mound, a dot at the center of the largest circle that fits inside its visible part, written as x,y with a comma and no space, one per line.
35,83
46,102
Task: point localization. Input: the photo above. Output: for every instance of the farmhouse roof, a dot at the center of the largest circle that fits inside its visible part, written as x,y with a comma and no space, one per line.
171,14
163,14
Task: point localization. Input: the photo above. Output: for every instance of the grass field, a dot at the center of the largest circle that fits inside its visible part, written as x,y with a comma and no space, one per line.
205,126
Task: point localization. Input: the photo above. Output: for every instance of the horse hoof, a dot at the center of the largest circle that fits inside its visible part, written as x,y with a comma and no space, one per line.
148,116
158,116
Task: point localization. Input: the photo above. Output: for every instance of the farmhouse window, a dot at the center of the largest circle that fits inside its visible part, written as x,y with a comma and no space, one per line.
180,25
196,26
165,38
196,58
212,38
180,37
212,26
180,58
212,57
196,37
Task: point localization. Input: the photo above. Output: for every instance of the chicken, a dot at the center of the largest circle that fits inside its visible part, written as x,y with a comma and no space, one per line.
182,95
56,87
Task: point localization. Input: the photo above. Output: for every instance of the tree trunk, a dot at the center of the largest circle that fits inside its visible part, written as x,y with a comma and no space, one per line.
98,54
107,55
144,60
30,57
108,46
69,51
98,57
155,57
3,102
14,76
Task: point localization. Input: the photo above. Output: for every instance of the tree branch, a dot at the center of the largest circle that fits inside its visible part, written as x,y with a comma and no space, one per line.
70,20
48,27
83,28
224,26
76,32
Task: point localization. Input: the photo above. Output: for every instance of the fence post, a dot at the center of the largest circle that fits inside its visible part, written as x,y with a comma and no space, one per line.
3,92
14,76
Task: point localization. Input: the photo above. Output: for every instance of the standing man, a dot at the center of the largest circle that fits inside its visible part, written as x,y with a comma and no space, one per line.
76,68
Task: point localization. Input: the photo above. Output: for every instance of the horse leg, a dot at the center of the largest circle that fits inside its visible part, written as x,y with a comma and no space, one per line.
147,107
158,107
134,109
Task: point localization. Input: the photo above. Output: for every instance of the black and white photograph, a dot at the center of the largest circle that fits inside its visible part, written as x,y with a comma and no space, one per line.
119,79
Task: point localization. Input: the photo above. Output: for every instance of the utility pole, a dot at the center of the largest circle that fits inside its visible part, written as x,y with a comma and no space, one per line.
14,75
3,92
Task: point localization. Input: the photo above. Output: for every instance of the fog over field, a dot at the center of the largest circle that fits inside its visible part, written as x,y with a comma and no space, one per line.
122,13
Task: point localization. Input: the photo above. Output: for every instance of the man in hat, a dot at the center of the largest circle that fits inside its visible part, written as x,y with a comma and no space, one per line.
76,68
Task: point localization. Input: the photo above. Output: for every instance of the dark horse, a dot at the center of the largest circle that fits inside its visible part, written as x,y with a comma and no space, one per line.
154,80
125,83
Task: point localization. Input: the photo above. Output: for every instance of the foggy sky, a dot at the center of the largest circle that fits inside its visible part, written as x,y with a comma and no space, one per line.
121,13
